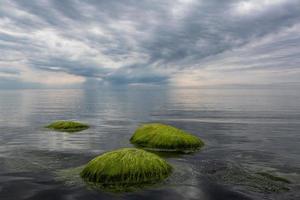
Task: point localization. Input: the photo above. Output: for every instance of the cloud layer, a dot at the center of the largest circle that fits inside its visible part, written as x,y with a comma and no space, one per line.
183,42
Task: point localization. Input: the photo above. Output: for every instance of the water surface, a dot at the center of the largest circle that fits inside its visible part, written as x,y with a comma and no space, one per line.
245,131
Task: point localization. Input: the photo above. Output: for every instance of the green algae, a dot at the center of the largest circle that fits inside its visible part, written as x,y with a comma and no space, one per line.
67,126
165,138
124,169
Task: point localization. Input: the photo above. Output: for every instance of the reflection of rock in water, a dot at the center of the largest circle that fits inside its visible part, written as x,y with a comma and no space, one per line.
242,179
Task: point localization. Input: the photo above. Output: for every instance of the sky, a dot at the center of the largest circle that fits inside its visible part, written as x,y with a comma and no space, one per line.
183,43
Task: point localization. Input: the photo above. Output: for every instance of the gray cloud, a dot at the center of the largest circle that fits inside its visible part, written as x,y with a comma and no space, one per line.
9,71
124,42
80,68
136,74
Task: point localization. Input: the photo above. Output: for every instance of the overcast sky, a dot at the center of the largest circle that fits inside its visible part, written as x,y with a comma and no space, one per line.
62,43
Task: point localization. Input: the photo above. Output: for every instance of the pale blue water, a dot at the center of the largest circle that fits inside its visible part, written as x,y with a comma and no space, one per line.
248,129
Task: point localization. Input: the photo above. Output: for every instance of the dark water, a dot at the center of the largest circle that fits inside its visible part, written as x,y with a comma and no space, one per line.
245,131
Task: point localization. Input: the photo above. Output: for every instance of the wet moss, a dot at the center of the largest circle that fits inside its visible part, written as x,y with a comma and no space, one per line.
125,168
165,138
67,126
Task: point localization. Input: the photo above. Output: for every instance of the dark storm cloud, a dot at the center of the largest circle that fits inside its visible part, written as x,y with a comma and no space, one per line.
71,67
135,74
131,41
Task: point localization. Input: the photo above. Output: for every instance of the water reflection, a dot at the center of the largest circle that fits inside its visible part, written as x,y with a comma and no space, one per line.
258,128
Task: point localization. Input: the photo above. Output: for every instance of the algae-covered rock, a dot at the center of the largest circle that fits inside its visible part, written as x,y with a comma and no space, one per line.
126,167
67,126
165,137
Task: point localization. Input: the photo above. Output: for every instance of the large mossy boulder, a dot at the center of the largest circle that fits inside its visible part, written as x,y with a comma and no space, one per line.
165,137
125,168
67,126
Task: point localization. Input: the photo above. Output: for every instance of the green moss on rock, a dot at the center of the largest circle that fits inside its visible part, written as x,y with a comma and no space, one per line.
67,126
165,137
126,167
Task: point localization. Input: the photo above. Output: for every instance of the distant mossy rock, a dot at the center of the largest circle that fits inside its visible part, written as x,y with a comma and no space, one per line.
165,137
125,168
67,126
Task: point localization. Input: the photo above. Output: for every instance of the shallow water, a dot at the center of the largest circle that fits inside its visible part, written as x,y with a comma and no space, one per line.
245,130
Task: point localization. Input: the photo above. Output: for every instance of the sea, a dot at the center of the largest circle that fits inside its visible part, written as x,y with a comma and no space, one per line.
247,132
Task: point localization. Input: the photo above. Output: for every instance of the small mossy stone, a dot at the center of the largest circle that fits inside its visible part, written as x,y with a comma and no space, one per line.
67,126
165,137
125,168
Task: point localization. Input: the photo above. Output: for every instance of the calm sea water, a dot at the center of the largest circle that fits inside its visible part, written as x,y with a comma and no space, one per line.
245,131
